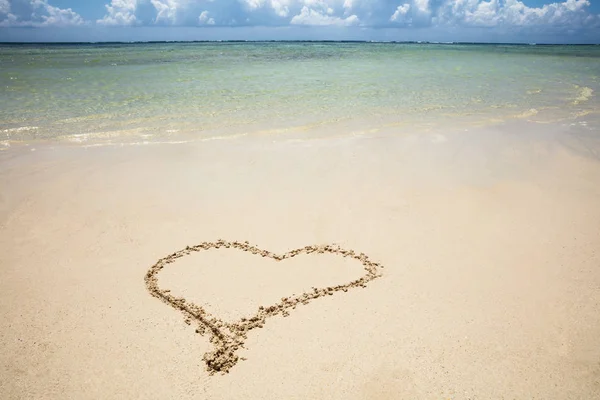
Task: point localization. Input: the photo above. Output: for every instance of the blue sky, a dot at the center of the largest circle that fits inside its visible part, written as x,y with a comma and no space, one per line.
568,21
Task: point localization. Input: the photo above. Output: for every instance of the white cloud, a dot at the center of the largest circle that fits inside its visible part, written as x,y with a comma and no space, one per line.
281,7
58,16
166,11
562,15
37,13
254,4
421,6
374,13
486,13
400,14
4,7
10,20
120,12
570,13
205,19
310,16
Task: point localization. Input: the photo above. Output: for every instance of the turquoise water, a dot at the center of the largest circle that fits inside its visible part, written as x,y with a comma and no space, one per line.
111,93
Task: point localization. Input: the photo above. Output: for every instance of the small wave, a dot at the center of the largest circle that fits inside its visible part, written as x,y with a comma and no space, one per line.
142,143
583,94
76,138
222,137
84,118
526,114
20,129
581,114
83,137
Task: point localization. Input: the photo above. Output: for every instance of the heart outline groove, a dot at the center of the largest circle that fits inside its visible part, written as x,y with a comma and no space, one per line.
227,338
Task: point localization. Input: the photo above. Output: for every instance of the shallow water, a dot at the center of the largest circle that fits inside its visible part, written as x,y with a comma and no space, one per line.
115,93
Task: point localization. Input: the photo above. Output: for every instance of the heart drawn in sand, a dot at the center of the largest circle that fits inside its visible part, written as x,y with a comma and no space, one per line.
227,337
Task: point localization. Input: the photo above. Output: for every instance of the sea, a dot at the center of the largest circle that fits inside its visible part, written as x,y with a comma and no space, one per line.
97,94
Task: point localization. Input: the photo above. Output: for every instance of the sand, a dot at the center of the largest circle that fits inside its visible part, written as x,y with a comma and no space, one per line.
479,252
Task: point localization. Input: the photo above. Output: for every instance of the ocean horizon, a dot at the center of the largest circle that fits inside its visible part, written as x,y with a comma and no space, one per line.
522,43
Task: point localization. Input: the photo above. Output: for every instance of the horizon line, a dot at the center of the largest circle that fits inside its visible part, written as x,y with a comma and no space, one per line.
300,41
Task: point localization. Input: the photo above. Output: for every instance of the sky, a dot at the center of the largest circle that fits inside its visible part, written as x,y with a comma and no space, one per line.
527,21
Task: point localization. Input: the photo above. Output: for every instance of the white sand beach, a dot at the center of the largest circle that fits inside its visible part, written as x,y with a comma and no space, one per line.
489,241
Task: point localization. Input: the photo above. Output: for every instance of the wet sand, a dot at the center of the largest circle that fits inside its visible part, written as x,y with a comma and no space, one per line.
484,245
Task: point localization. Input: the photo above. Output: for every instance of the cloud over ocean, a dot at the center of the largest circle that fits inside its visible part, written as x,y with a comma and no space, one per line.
570,17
